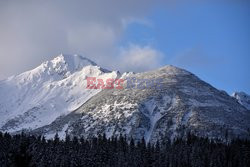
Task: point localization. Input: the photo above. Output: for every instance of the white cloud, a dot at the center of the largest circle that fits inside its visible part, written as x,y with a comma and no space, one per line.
140,58
32,32
92,39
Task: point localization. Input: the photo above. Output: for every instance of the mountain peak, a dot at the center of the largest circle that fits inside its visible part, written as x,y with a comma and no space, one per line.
173,70
72,62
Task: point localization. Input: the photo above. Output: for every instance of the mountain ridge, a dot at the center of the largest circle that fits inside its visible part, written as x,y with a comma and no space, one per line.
54,82
55,100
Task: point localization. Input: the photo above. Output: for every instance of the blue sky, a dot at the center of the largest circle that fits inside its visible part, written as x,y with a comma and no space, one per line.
210,40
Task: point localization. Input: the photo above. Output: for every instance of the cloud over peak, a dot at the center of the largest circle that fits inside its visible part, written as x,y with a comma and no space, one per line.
140,58
32,32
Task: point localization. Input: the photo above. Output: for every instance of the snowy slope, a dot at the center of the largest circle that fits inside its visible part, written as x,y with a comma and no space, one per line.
184,104
53,98
55,88
242,98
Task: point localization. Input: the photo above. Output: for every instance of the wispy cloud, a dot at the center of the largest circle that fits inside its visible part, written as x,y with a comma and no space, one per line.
32,32
139,58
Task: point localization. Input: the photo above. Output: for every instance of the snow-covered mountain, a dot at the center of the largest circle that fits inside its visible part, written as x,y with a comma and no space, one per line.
184,104
242,98
36,98
53,98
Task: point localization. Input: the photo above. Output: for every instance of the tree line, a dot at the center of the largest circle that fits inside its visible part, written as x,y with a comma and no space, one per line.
23,150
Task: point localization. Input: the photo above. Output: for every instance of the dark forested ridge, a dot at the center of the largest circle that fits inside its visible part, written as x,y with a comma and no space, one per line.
25,150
